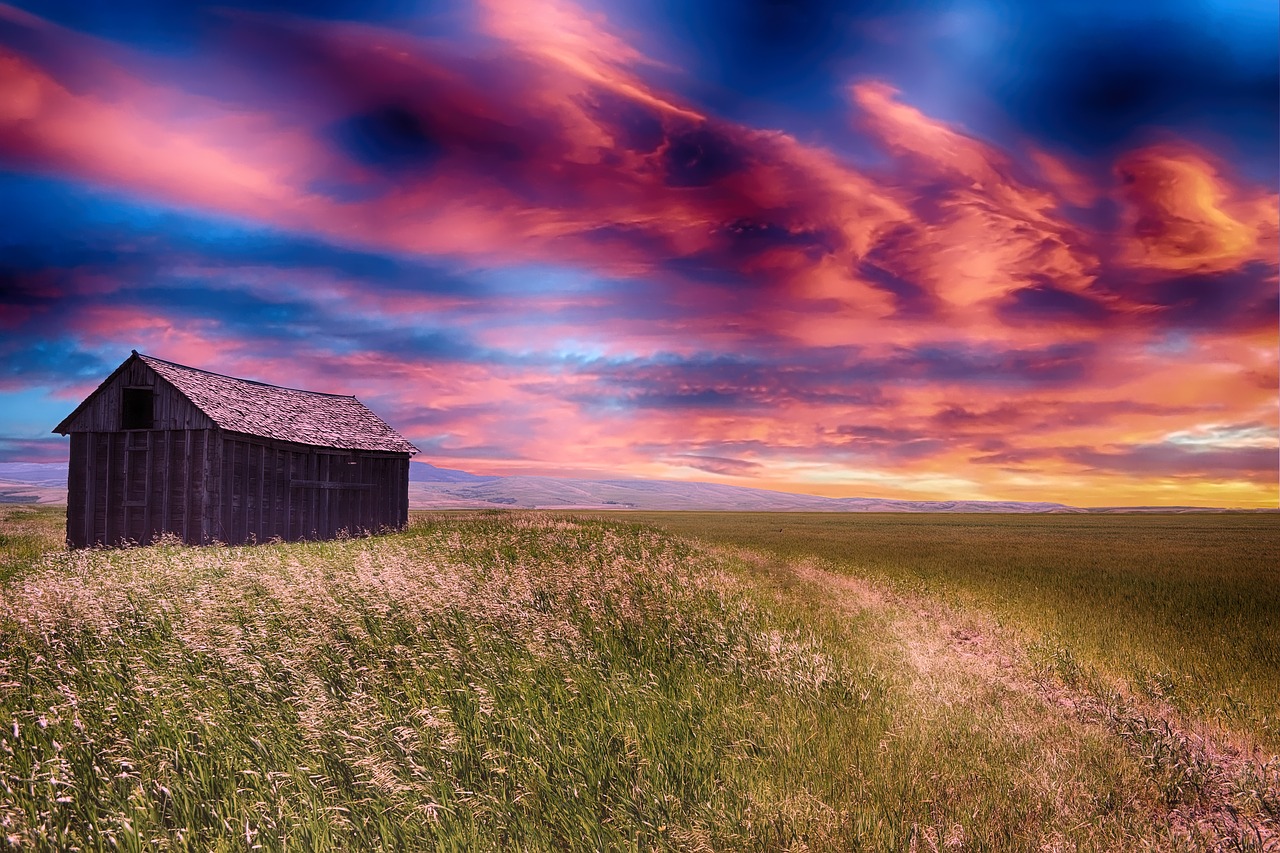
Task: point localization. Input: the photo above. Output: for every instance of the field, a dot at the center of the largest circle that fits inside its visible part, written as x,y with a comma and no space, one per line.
534,681
1186,608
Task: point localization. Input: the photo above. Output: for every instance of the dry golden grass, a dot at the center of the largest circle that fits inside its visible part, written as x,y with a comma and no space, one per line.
491,681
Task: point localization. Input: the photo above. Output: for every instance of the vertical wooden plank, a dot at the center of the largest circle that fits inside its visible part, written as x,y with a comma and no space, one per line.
317,497
357,496
197,445
238,509
402,494
75,490
120,482
269,454
375,496
108,488
244,474
379,493
249,502
308,495
96,532
389,492
260,474
228,488
240,465
380,489
149,482
208,488
175,482
288,495
90,486
313,498
206,484
371,512
322,497
166,477
112,505
271,458
280,505
338,470
187,451
300,495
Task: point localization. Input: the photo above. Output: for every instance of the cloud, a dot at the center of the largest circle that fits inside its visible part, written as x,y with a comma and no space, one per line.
1181,214
718,464
528,239
1176,460
33,450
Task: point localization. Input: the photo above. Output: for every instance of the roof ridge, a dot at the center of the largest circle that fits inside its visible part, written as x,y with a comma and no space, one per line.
144,356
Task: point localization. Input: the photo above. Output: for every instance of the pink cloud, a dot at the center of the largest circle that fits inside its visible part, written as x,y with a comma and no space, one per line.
555,148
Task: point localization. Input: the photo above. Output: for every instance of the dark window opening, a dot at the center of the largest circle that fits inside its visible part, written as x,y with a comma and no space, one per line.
137,409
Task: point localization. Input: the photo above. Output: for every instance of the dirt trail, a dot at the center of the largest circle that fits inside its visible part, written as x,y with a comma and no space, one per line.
1223,796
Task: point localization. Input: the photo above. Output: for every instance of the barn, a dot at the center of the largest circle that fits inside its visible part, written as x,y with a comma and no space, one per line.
163,448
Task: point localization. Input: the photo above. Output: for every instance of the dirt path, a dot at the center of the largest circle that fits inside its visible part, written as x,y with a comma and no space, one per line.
1219,795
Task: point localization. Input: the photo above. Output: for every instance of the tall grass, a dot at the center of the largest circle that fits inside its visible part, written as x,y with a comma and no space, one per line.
1184,607
27,532
509,682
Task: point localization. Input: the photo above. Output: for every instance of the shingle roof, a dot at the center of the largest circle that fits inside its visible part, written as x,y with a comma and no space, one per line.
287,414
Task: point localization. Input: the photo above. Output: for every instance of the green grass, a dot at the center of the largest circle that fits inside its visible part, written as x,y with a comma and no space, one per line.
1184,607
28,531
489,681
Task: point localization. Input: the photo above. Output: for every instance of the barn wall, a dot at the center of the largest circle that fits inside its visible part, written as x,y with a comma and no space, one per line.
132,486
270,489
101,412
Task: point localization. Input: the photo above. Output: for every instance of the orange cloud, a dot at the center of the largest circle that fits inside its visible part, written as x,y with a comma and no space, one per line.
981,232
796,318
1182,214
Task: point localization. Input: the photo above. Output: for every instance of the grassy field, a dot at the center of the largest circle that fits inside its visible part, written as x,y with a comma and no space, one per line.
1184,607
26,532
526,681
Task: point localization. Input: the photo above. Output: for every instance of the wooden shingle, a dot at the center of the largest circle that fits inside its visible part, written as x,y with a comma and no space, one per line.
285,414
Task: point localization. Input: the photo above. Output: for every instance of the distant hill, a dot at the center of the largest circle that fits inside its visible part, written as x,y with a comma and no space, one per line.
557,493
35,473
33,482
425,472
444,488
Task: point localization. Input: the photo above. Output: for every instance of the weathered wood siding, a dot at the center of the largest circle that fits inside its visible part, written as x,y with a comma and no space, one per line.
132,486
187,477
172,411
270,489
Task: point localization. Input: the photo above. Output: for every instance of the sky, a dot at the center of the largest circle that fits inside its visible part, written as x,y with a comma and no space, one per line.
924,250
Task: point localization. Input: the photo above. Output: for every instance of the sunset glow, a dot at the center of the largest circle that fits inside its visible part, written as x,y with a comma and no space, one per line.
930,253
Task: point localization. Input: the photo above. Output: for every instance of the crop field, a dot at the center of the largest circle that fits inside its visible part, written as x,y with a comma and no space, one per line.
536,681
1184,607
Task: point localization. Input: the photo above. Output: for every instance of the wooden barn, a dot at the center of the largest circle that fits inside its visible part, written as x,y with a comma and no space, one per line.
162,448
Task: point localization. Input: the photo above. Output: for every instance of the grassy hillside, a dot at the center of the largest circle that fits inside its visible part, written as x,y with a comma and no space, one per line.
525,682
1185,607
